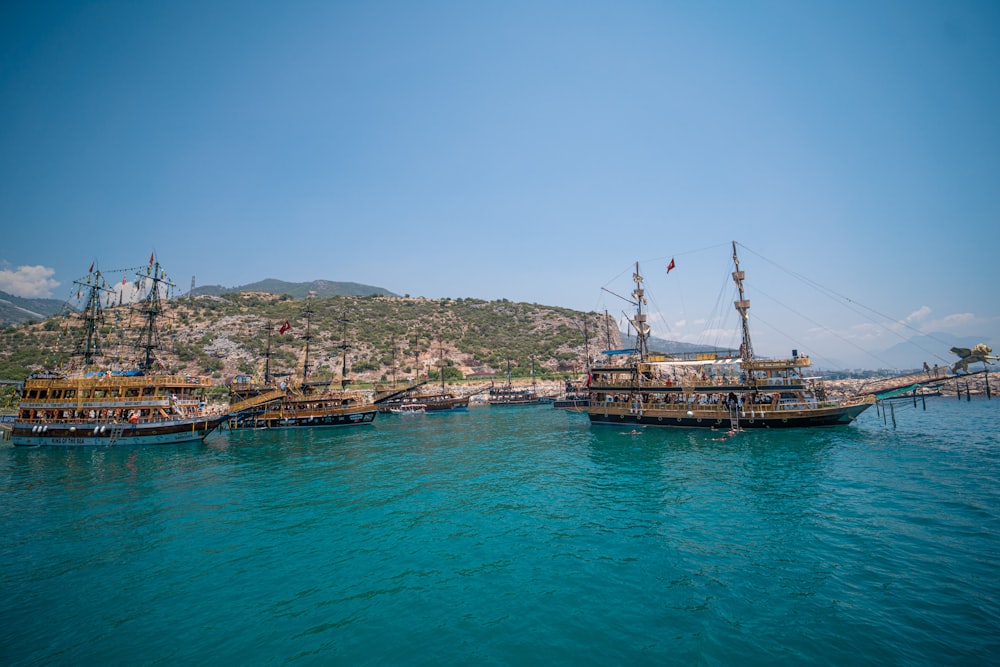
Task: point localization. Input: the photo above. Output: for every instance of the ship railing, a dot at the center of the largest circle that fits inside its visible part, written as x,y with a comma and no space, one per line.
721,407
133,380
103,420
255,401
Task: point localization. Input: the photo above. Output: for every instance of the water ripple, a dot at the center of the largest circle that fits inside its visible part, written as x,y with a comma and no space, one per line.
521,536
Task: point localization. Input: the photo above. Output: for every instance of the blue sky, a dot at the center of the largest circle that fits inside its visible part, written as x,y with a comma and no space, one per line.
523,150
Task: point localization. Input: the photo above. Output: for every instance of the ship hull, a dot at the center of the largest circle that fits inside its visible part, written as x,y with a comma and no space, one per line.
305,421
512,403
678,418
571,403
431,404
103,434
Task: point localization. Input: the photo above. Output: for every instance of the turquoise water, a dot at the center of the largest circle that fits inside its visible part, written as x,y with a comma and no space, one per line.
514,536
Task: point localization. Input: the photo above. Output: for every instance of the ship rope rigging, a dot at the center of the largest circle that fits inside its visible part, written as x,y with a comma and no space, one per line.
881,320
718,325
87,309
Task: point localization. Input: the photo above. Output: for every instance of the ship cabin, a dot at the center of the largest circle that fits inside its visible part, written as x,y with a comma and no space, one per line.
108,397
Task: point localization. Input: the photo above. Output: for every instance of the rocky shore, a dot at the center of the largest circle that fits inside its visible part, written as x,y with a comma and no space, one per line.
948,385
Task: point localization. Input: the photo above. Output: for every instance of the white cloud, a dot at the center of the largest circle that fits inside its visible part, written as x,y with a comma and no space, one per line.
918,314
31,282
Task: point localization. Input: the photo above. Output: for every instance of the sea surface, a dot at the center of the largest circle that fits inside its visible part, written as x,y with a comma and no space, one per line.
512,536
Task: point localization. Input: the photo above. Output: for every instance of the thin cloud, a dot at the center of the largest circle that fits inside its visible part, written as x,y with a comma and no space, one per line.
918,314
30,282
963,323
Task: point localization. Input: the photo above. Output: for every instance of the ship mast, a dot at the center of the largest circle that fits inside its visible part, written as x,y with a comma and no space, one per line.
743,305
641,328
89,345
607,329
344,381
151,308
442,365
267,353
307,313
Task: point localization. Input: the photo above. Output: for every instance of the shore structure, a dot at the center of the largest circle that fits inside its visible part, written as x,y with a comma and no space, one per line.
96,400
713,390
272,403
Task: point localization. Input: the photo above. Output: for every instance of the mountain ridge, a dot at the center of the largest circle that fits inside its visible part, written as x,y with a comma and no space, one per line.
319,288
19,310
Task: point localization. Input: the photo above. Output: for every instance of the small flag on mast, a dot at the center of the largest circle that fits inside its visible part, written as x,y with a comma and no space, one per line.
284,327
671,265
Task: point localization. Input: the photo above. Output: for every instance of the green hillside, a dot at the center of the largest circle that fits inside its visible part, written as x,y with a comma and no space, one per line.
384,336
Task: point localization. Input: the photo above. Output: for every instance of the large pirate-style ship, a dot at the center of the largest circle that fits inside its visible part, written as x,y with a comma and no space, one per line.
713,390
268,402
100,399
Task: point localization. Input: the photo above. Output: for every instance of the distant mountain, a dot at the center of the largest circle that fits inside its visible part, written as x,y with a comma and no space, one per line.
321,288
18,310
664,346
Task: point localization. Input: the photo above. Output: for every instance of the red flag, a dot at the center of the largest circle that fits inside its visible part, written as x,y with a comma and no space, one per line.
671,265
91,269
150,258
284,327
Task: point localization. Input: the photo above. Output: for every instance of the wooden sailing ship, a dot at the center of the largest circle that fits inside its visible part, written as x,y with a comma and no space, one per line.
507,394
575,395
96,400
417,395
270,403
713,390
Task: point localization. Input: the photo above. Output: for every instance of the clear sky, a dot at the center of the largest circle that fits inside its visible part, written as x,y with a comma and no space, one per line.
531,151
